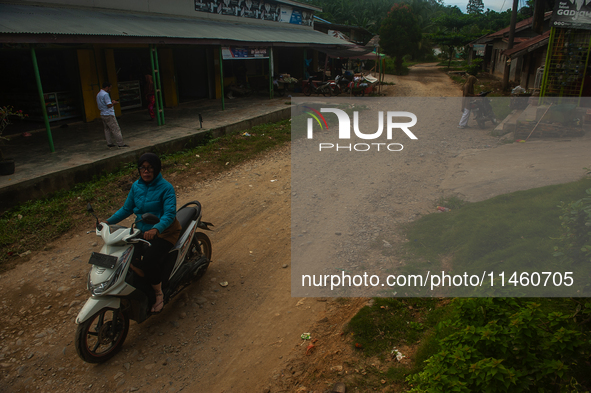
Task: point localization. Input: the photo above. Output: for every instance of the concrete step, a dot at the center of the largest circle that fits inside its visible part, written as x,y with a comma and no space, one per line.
508,124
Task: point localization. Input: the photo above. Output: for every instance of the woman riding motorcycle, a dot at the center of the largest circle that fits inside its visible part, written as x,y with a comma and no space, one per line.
152,194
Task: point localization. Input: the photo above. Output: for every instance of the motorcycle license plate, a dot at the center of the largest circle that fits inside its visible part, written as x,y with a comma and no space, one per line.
102,260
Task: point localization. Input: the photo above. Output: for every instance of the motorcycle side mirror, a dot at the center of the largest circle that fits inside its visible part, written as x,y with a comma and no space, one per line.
91,211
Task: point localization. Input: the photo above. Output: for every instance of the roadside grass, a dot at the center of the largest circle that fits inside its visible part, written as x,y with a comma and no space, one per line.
507,232
511,232
390,323
32,225
394,324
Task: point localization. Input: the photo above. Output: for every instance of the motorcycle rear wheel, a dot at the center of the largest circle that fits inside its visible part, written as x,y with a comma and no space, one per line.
308,90
95,342
200,247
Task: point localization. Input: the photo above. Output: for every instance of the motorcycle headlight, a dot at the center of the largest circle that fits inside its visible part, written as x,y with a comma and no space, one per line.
101,288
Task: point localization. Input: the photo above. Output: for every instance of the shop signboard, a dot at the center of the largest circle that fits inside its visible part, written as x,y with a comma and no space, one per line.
479,48
572,14
254,9
234,52
295,16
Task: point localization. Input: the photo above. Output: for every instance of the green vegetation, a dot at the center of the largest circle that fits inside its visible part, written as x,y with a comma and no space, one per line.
32,225
501,233
438,24
389,323
491,344
400,33
390,67
474,67
507,345
575,240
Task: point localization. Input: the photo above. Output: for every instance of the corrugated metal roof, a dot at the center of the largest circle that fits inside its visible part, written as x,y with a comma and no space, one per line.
29,19
528,46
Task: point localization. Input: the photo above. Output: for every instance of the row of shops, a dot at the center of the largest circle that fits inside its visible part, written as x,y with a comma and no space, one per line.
552,61
71,74
184,51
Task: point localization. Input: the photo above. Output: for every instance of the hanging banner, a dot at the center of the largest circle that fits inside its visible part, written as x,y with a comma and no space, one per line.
255,9
571,14
233,52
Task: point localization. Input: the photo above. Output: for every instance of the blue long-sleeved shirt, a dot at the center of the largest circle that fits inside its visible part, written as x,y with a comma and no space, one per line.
157,197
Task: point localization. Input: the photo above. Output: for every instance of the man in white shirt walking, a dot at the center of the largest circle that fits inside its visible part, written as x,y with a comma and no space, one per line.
105,105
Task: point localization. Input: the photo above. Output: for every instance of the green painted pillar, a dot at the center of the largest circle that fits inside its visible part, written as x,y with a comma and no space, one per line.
42,99
157,85
222,79
271,72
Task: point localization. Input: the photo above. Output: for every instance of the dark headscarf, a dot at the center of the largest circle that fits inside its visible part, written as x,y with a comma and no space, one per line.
153,160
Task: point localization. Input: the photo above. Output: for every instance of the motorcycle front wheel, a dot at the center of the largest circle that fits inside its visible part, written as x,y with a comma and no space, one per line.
96,340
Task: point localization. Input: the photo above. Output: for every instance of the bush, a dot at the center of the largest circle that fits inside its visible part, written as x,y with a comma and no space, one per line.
391,67
502,345
576,225
475,67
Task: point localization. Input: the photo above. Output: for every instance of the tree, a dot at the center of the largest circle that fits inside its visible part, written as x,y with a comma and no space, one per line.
475,7
400,33
454,32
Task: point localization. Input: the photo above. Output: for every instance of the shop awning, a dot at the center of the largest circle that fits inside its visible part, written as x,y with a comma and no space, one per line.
354,52
32,24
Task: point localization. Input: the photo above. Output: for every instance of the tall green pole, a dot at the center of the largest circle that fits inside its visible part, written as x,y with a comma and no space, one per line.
159,91
222,78
42,98
271,72
154,84
544,83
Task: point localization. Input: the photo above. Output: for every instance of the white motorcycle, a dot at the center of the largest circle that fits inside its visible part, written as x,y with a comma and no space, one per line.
120,295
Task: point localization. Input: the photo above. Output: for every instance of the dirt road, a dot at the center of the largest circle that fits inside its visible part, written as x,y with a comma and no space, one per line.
241,338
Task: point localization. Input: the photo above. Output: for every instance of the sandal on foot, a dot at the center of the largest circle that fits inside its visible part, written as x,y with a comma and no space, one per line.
159,305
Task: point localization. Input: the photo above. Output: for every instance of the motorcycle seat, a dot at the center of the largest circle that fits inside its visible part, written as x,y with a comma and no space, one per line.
187,214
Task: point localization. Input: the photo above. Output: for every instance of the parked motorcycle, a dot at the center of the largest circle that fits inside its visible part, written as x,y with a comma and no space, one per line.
118,294
483,110
340,85
314,87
